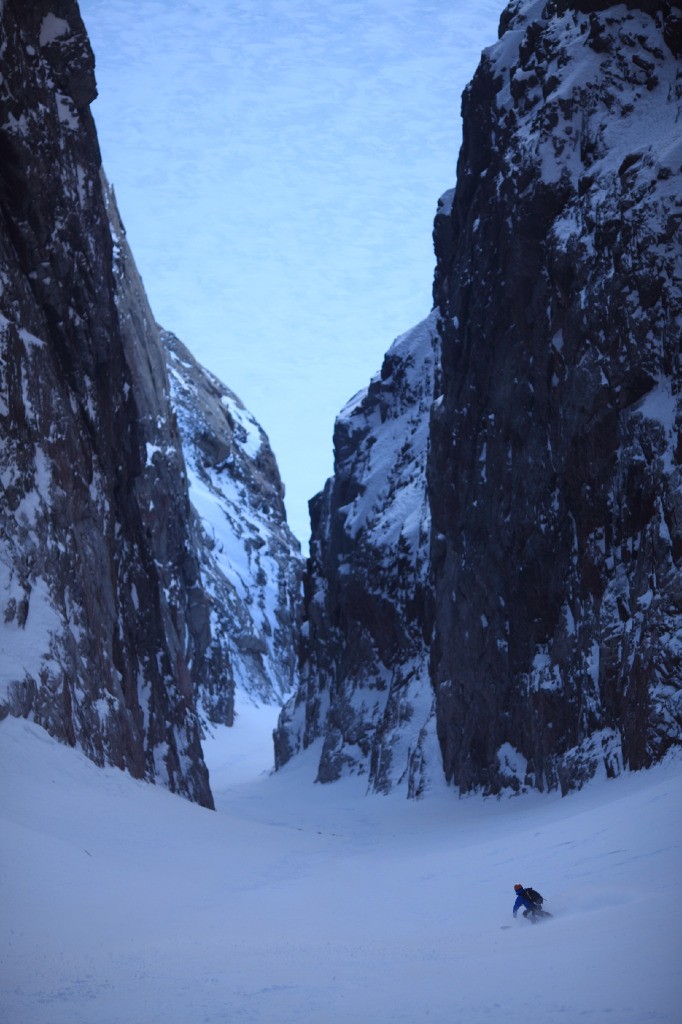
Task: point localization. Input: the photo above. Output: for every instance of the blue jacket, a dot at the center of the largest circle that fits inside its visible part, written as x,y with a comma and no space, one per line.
523,901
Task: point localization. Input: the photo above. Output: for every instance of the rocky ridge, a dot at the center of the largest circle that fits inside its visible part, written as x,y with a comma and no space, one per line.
553,626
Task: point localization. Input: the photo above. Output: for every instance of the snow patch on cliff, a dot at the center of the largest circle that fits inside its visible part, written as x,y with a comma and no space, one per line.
53,28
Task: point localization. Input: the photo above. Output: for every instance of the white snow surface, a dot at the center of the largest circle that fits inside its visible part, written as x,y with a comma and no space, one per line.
277,167
304,905
26,652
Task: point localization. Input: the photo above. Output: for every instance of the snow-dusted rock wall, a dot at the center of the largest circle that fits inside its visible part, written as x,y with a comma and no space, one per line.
250,561
101,612
365,689
545,620
120,601
554,476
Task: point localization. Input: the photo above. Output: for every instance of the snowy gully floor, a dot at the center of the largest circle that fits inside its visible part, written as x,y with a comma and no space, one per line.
301,904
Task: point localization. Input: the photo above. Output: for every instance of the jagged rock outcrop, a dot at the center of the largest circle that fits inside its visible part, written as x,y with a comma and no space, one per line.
554,475
250,561
107,630
365,689
554,478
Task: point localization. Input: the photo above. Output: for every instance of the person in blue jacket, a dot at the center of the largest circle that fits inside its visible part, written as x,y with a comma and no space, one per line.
524,900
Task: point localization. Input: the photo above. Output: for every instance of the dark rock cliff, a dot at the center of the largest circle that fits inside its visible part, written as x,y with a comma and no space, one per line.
102,609
550,603
554,475
107,630
365,692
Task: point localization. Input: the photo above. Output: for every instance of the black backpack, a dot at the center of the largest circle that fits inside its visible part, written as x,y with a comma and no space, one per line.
534,896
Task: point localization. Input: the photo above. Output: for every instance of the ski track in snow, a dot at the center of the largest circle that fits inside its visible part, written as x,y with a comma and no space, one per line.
301,904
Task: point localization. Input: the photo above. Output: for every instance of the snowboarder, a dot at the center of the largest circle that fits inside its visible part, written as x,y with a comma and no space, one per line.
531,901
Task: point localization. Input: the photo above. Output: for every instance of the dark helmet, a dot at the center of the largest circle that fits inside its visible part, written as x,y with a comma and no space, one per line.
518,887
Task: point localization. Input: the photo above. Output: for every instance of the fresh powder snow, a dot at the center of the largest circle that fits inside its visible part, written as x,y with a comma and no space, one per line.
302,904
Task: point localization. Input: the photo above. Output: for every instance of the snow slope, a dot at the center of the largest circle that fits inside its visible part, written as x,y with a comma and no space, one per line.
299,905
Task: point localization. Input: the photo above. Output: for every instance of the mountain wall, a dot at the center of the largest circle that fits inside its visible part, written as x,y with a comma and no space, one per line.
108,630
554,474
547,612
249,560
364,689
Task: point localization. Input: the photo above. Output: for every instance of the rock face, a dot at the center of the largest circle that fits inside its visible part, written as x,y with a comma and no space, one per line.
107,630
249,560
554,476
365,688
553,479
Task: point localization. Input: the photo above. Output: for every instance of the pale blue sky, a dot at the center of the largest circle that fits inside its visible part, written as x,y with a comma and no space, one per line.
277,165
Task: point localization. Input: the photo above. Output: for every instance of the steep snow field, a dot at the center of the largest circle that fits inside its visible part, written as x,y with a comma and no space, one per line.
297,904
